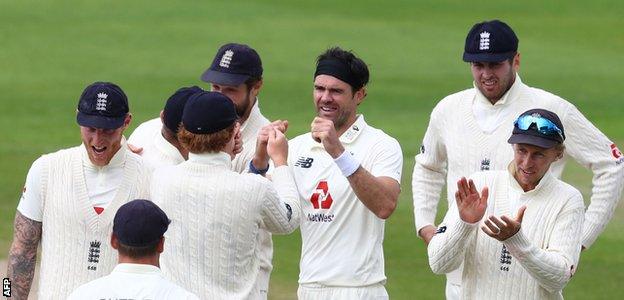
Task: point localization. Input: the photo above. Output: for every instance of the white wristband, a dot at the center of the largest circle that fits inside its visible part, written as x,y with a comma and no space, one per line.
347,163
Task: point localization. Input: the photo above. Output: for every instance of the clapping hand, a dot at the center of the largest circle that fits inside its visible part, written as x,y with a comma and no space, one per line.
504,227
470,204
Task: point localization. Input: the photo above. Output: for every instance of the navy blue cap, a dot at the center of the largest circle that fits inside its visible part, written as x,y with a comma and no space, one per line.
233,65
172,113
490,41
533,136
140,223
208,112
102,105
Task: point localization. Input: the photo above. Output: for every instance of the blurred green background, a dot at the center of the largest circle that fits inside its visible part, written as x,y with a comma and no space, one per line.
50,50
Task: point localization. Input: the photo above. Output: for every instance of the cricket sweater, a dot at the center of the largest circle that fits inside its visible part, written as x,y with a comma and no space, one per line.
212,246
535,263
455,146
75,239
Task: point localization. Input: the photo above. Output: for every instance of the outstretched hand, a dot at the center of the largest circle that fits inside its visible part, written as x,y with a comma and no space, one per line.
504,227
470,204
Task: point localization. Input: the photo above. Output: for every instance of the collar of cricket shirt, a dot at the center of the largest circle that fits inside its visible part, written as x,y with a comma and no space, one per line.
509,96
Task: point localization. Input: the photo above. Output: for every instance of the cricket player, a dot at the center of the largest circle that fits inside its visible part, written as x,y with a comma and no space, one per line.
348,175
138,229
532,255
70,198
467,133
163,148
236,71
217,213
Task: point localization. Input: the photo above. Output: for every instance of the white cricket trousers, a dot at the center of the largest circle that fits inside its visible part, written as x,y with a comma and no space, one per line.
323,292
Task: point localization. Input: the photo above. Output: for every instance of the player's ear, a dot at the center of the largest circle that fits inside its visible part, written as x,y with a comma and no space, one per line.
114,242
359,95
161,245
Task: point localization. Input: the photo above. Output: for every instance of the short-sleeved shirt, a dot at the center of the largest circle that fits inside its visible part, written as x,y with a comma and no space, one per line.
102,184
342,238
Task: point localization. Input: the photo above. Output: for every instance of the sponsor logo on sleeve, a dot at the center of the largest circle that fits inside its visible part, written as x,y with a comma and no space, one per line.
441,229
615,152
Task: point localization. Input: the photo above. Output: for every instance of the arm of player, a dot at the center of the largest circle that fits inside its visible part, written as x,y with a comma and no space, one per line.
379,193
282,207
603,158
447,248
23,254
428,179
554,266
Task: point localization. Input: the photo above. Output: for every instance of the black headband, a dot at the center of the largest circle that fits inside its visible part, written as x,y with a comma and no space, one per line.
338,69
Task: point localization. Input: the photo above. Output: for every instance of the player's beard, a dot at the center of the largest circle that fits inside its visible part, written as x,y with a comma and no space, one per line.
244,107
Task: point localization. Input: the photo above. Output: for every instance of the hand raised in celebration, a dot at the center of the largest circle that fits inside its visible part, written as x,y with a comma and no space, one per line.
261,157
470,204
323,131
504,227
277,147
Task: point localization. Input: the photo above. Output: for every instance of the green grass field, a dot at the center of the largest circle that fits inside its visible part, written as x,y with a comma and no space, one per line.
52,49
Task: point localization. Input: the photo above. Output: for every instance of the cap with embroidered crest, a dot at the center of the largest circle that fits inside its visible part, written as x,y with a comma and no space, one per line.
490,41
102,105
233,65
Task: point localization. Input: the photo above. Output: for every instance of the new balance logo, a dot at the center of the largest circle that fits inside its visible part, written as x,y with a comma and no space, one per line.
101,101
321,199
441,230
226,59
304,162
484,42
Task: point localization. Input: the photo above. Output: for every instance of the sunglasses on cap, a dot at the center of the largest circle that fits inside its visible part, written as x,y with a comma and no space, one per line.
543,125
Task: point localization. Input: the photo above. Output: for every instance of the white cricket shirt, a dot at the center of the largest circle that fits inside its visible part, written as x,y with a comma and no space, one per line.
342,239
102,184
131,281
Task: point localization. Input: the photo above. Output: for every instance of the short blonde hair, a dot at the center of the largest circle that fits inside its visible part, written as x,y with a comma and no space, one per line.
201,143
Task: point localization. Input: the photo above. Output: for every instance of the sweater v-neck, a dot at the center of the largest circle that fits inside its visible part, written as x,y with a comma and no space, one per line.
96,221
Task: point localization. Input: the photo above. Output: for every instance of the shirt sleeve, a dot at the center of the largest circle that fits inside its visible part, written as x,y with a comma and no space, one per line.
429,174
31,202
281,209
447,248
388,161
594,151
554,265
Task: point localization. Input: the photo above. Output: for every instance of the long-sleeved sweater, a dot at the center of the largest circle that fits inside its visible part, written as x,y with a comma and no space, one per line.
212,247
455,146
535,263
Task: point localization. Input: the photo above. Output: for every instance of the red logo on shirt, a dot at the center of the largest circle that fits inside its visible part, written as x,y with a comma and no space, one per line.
615,151
321,198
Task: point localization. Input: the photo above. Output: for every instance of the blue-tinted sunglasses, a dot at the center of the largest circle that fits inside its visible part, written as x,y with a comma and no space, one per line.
543,125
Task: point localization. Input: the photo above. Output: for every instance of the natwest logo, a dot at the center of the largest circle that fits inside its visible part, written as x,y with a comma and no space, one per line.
321,199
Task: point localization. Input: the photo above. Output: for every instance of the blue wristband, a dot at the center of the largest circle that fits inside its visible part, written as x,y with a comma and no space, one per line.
253,169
